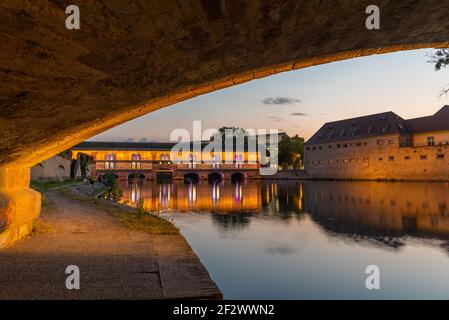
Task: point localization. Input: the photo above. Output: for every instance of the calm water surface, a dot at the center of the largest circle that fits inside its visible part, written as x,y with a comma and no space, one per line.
301,240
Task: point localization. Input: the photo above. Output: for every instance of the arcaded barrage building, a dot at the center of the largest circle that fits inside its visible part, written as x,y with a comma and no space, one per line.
381,146
154,160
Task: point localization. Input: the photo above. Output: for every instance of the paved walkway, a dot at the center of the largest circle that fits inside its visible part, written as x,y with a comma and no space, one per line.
115,262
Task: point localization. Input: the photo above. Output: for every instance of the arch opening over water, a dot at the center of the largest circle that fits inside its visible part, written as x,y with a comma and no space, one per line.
69,86
192,178
238,177
215,177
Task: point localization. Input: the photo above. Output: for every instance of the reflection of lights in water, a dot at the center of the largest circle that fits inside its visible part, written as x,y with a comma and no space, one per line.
164,195
135,192
192,192
238,192
300,197
215,192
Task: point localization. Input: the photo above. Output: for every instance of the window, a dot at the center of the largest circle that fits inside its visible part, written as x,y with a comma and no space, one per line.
358,144
338,145
215,161
380,159
430,141
345,145
407,158
423,156
440,156
331,161
365,143
365,159
390,141
391,158
110,158
135,164
238,161
308,148
380,142
192,163
345,160
320,147
314,148
330,147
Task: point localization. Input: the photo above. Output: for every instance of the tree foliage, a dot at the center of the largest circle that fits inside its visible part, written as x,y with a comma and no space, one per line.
440,59
223,132
291,151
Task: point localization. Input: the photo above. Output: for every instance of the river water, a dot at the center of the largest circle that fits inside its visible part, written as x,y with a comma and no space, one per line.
312,239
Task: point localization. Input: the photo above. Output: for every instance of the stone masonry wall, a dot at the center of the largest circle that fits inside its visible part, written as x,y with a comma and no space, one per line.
373,160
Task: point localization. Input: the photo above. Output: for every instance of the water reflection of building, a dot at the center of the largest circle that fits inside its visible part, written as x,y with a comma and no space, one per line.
232,221
213,197
282,198
379,210
373,211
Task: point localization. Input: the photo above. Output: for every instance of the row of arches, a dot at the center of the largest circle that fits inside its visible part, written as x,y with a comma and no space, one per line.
192,177
213,177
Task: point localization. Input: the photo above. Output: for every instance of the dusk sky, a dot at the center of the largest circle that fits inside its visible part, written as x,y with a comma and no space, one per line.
401,82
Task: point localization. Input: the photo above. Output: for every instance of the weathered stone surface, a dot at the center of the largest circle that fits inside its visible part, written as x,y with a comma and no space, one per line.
19,205
59,87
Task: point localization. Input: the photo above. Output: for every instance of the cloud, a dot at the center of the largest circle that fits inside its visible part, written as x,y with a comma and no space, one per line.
281,100
299,114
275,118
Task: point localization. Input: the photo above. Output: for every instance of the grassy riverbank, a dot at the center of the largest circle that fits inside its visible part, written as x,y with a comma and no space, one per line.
42,186
129,216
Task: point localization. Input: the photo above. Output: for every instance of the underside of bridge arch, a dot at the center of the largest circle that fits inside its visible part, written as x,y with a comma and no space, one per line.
59,86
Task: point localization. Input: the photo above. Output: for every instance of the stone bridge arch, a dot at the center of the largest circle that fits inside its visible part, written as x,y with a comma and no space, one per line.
59,86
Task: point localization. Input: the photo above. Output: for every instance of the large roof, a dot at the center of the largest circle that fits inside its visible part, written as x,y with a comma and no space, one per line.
379,124
103,145
139,146
361,127
436,122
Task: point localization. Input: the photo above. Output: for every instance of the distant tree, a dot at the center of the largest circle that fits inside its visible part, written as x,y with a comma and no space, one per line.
291,151
440,58
81,162
227,130
114,192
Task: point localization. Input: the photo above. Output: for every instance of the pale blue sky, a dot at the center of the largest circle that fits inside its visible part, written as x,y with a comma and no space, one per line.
401,82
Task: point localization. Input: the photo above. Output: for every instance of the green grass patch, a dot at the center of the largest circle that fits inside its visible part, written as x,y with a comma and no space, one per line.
129,216
46,185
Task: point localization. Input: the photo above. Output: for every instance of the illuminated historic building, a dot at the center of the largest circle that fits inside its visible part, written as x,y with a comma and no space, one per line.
152,160
381,146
